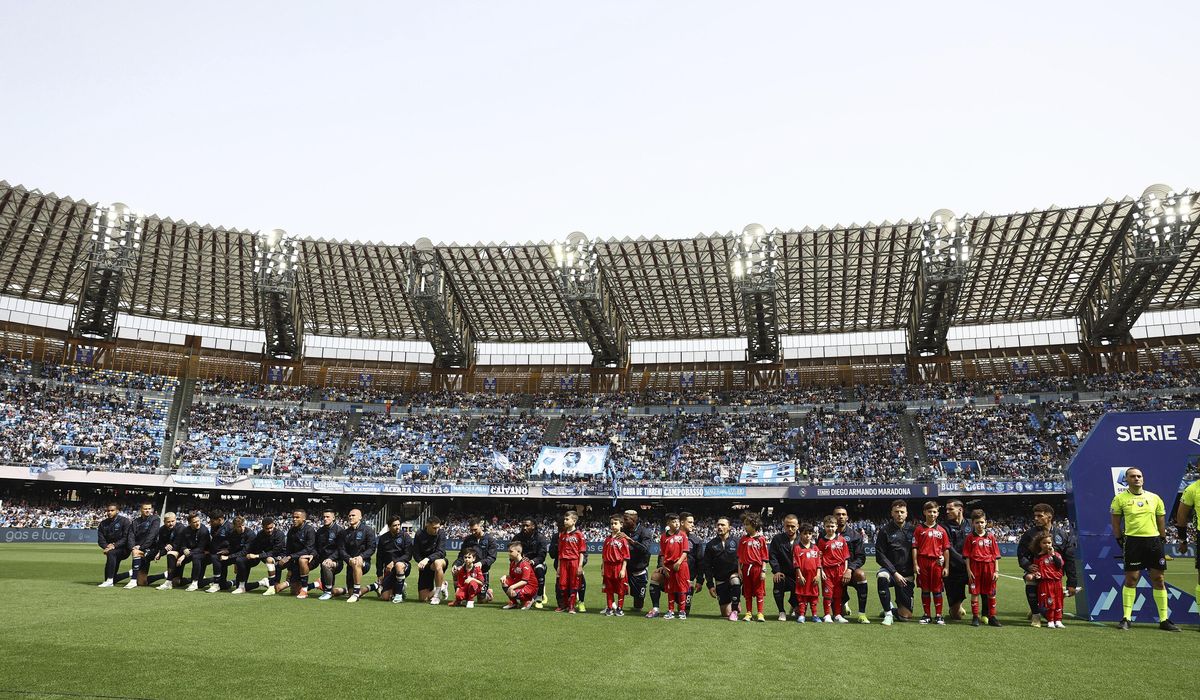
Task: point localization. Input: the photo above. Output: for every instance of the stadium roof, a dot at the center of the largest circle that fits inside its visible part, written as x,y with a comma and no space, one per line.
1028,266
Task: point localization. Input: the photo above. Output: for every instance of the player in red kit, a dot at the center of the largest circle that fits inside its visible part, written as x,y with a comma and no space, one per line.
521,583
1047,571
930,563
835,552
571,546
981,551
674,544
615,568
468,580
752,554
806,559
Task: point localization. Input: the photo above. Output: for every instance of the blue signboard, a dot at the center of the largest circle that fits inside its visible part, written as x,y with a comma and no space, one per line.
1160,444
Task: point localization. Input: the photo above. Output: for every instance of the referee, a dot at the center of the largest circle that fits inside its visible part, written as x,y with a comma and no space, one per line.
1142,541
1188,503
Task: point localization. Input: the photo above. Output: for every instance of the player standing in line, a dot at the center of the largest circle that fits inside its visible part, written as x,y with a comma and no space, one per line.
1064,544
112,536
263,548
752,555
834,555
893,553
721,570
165,544
571,547
615,568
673,545
982,551
1187,507
300,546
930,542
468,579
1145,521
854,577
641,538
429,552
957,577
486,551
229,540
327,556
356,546
521,583
1048,575
806,560
392,556
695,557
196,539
782,582
142,534
534,548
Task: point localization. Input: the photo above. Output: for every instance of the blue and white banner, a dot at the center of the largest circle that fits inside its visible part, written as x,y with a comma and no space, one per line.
571,460
1006,487
864,491
250,463
470,490
194,479
500,462
1160,444
423,469
768,473
964,466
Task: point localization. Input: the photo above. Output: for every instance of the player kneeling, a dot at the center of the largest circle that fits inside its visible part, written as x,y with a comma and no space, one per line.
521,583
468,580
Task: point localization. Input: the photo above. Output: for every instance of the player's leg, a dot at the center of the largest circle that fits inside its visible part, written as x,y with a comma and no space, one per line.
655,590
329,571
955,594
883,586
439,574
199,561
540,572
580,587
303,567
112,564
354,581
858,581
637,588
904,600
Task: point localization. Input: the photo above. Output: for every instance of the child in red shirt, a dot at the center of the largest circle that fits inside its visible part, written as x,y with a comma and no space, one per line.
521,583
1048,572
468,580
673,546
752,554
930,563
571,546
616,560
834,554
982,551
806,559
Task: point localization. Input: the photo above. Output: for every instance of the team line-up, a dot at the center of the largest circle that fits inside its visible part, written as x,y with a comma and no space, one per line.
944,558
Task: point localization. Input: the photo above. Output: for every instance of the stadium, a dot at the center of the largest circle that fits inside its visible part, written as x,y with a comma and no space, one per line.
245,462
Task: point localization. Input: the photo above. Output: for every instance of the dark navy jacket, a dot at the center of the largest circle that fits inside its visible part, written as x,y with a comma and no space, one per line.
720,559
143,533
114,531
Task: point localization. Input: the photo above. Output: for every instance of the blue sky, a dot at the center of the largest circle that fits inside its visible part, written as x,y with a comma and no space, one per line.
516,121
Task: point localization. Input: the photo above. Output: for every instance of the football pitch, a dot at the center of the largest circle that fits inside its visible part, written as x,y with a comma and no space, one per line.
63,637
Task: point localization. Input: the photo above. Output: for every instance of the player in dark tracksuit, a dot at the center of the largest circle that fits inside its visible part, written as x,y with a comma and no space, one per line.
721,569
229,541
142,537
267,544
858,559
958,527
641,539
893,553
1064,544
166,546
695,557
300,546
112,536
429,556
782,569
356,544
393,555
486,550
534,548
327,556
194,544
219,531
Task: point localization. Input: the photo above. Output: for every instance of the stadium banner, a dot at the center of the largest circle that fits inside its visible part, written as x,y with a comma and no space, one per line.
1160,444
12,535
271,484
327,486
768,473
864,491
724,491
508,490
951,486
194,479
260,464
297,483
565,491
571,460
470,490
417,489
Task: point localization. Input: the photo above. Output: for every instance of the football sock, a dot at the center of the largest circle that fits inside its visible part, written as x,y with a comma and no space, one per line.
974,606
582,590
991,605
1160,600
357,589
271,574
937,603
1128,595
825,604
777,594
885,594
925,602
304,581
621,601
655,594
1032,597
373,587
735,590
687,601
760,605
860,587
608,600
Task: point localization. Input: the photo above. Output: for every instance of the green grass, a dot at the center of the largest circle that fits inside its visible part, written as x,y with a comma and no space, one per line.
65,637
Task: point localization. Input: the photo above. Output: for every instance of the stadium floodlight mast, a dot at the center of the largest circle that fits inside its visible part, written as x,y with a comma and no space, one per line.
945,255
753,264
442,321
587,301
275,270
114,243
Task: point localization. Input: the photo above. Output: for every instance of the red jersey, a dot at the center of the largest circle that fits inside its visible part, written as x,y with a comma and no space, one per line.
808,561
616,550
672,547
464,572
521,570
752,550
930,541
981,548
1048,567
834,552
571,546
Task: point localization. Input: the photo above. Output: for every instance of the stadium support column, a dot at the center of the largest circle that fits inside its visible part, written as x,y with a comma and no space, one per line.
581,283
442,321
1144,251
115,240
945,254
276,260
752,265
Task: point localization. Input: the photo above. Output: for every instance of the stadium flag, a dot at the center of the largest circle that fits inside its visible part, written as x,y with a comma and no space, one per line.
571,460
791,377
366,380
500,462
489,383
768,473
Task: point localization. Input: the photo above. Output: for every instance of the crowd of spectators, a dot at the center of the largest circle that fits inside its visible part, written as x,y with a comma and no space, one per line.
383,446
82,374
866,446
292,440
238,389
1006,440
1142,381
501,449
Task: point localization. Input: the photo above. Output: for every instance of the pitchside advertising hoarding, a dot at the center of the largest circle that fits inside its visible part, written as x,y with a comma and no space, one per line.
1161,444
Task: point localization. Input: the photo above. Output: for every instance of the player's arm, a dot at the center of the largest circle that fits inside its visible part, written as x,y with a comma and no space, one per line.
777,566
1116,528
1183,514
916,562
382,558
881,557
308,540
858,553
1024,556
